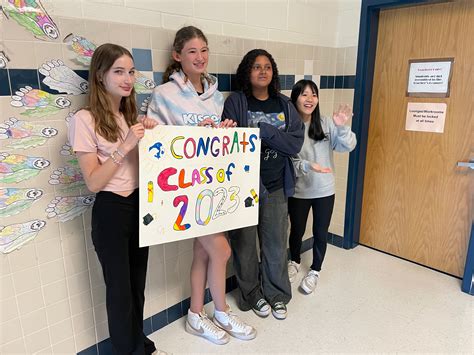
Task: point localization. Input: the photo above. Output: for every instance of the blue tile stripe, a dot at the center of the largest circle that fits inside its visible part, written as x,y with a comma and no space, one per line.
4,83
19,78
180,309
337,82
15,79
142,59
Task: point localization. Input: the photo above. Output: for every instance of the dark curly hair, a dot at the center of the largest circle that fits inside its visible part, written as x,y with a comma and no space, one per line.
242,80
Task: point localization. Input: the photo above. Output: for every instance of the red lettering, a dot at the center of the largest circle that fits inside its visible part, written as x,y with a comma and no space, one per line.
163,179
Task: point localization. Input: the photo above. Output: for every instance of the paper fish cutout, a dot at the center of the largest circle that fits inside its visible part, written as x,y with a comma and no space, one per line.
14,200
18,134
16,167
31,15
14,236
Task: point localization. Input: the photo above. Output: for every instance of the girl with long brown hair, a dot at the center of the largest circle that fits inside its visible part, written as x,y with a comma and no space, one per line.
104,136
190,97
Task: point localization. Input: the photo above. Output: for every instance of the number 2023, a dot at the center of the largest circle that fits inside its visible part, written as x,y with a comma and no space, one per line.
218,212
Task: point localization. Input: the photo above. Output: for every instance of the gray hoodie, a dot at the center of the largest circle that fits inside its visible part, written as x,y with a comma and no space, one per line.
310,184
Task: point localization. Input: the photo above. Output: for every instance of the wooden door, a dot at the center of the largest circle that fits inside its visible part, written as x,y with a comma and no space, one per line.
417,204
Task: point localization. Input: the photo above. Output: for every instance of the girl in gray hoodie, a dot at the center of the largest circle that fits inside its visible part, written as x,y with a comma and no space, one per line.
315,182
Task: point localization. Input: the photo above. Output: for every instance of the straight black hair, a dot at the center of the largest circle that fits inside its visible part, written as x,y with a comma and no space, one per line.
315,130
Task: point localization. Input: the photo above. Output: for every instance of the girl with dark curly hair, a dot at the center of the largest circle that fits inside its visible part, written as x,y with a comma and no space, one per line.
259,103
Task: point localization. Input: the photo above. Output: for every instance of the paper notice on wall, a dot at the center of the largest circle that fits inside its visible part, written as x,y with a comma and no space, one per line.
425,117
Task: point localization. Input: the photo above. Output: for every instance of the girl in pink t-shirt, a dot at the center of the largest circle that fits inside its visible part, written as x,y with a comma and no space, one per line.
104,137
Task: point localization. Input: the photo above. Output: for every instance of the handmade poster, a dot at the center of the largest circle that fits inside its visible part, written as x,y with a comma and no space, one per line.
197,181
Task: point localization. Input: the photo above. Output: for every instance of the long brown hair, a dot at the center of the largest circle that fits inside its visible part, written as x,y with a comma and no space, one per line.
99,104
182,36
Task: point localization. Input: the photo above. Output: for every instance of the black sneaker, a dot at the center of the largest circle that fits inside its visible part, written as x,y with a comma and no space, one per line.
279,310
262,308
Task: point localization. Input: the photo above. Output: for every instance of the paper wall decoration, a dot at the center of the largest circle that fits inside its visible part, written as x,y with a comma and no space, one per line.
67,178
60,77
66,208
14,200
38,103
82,47
31,15
3,60
18,134
143,85
16,167
144,106
14,236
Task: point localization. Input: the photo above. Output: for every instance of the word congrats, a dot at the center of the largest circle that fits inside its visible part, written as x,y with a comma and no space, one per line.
197,181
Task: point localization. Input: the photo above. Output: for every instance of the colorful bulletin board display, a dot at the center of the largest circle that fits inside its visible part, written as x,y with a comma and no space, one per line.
197,181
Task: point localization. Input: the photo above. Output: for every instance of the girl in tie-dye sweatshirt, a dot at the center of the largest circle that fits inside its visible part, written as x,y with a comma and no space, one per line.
178,103
190,97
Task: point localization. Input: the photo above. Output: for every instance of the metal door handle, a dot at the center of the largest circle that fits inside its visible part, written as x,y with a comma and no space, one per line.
466,164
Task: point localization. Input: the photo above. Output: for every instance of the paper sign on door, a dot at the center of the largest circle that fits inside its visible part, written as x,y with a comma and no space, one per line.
425,117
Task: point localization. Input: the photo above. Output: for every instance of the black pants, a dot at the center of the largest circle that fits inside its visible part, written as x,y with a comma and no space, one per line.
124,265
270,278
298,210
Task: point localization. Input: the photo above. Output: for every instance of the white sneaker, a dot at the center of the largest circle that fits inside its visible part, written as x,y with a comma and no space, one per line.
199,324
293,268
233,325
309,282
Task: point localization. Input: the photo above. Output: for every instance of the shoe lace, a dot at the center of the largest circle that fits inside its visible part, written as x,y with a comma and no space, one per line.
236,321
279,305
312,278
208,325
260,303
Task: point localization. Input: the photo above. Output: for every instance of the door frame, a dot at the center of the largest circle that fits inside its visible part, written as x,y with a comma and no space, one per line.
367,46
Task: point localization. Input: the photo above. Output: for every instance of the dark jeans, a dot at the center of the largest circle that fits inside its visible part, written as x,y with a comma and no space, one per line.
270,279
298,210
124,265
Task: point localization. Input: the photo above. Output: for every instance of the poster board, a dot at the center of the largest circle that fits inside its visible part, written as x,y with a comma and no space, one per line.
197,181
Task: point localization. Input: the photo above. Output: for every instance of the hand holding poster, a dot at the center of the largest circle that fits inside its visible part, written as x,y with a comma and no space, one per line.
197,181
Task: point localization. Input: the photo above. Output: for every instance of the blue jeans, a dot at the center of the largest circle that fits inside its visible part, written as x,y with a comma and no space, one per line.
269,279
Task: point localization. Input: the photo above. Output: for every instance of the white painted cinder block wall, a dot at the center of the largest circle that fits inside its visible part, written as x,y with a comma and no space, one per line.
331,23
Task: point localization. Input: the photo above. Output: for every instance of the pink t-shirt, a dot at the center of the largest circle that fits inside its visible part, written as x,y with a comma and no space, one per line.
83,138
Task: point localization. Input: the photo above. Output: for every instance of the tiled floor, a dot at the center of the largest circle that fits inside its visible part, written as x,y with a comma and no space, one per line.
366,302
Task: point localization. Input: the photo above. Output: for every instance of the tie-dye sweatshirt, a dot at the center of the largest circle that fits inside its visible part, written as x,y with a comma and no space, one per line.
178,103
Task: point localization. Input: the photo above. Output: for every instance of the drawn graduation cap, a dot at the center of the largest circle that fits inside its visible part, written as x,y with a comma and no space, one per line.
147,219
249,202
